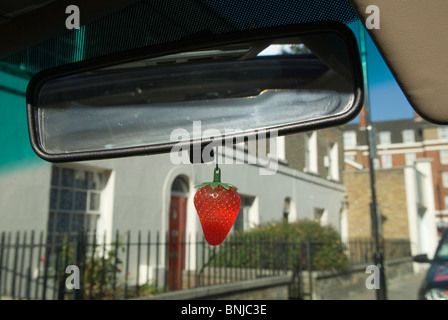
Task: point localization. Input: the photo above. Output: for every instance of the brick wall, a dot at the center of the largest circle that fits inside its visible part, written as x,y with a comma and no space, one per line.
430,134
295,150
391,199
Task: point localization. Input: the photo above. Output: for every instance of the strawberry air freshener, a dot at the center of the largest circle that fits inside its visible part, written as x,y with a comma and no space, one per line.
217,205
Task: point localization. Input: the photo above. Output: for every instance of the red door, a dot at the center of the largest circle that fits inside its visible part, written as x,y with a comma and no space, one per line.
176,251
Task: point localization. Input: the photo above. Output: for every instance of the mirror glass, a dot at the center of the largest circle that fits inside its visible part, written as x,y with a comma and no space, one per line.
264,84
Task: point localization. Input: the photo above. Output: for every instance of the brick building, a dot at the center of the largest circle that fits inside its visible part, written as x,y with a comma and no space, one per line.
319,153
405,205
392,192
400,143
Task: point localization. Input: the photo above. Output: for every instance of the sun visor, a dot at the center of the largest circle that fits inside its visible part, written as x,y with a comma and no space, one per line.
412,40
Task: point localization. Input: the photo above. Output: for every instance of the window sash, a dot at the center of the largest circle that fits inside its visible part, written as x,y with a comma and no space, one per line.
333,161
384,137
444,156
311,152
349,139
410,158
63,222
408,136
386,161
445,179
443,133
72,200
446,202
75,198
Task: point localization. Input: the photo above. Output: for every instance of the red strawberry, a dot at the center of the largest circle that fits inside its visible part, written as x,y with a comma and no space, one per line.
217,205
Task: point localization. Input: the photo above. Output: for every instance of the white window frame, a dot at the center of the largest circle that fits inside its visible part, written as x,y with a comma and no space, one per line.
57,210
349,157
281,148
408,136
444,156
445,202
443,132
311,152
333,165
349,139
246,213
410,158
445,179
321,215
386,161
376,163
384,137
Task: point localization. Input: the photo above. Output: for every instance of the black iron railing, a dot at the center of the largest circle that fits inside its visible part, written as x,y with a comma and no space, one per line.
124,265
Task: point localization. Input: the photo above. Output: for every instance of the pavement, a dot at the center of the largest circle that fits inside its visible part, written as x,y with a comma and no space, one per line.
405,288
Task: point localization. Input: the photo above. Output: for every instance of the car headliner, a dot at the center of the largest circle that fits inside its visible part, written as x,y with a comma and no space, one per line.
412,40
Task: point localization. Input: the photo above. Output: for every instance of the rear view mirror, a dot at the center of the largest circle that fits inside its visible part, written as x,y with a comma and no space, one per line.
197,91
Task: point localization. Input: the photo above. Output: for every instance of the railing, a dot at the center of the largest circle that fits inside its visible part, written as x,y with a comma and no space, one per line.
87,266
361,250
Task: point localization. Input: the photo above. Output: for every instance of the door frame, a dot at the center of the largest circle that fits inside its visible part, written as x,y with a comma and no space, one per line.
177,234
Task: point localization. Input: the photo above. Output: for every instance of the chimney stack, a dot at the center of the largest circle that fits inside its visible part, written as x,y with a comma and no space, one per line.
362,119
417,117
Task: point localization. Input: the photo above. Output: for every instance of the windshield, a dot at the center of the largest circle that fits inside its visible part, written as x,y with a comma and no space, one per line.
442,250
315,214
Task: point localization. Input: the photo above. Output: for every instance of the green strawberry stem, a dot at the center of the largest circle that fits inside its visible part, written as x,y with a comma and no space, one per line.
217,174
216,181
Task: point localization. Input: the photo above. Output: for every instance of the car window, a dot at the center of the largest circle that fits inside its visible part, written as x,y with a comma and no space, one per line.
442,251
165,21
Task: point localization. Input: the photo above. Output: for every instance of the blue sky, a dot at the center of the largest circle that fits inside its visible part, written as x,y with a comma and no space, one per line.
386,99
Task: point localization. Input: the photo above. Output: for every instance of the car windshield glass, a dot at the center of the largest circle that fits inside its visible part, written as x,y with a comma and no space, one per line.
326,213
442,251
159,22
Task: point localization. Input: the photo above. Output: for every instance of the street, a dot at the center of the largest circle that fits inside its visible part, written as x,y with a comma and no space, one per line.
400,289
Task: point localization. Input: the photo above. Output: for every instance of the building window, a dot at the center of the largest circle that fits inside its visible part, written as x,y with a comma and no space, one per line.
443,133
321,216
286,209
281,148
384,137
242,221
444,156
349,157
386,161
446,202
349,139
311,152
445,179
333,161
410,158
408,136
376,163
75,199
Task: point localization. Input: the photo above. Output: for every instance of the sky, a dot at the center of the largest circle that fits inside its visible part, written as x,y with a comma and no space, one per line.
386,99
